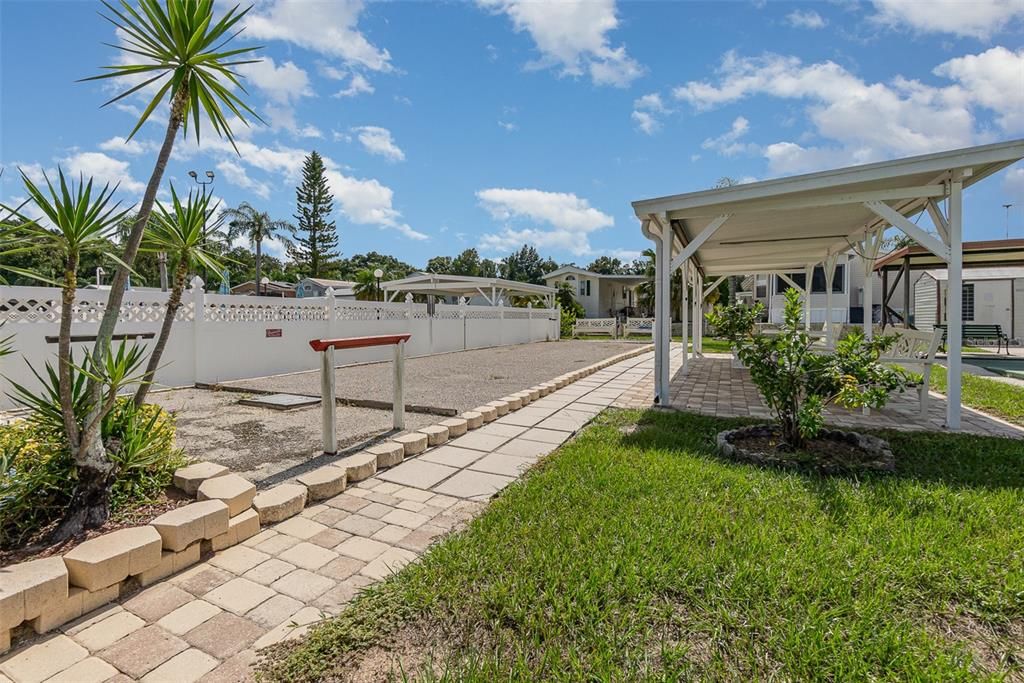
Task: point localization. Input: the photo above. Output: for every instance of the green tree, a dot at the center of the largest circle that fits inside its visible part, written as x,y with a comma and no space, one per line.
247,221
565,295
372,260
366,288
488,268
606,265
440,265
315,248
178,48
467,263
526,265
187,233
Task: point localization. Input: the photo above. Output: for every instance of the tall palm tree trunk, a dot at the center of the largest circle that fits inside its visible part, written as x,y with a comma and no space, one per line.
67,307
90,504
259,257
173,304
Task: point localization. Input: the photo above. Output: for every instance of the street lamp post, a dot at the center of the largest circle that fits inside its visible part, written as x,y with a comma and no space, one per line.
162,256
378,274
1007,207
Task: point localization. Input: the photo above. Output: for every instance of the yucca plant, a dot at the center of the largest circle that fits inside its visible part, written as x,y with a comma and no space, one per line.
178,48
190,235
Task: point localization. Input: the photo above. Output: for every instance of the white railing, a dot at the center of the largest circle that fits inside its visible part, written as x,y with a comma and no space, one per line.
638,326
607,326
237,337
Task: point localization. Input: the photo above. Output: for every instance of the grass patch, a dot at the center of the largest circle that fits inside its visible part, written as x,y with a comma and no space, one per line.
635,553
996,398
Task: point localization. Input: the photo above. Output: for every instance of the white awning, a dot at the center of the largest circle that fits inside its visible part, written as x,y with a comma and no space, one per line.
490,288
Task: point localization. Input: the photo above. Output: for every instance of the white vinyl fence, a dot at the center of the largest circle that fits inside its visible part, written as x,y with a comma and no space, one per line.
219,337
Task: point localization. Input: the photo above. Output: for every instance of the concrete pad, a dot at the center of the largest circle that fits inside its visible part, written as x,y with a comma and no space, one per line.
189,478
452,456
523,448
230,488
480,442
324,482
418,473
281,401
551,436
470,484
507,465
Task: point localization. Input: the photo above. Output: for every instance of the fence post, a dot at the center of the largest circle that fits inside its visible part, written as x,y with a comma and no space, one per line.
329,303
462,314
501,322
410,310
198,318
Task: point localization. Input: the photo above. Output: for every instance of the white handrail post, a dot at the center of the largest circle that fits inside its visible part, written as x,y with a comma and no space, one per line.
399,388
198,295
327,401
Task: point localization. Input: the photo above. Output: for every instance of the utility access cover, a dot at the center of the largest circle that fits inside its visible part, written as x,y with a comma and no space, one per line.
280,401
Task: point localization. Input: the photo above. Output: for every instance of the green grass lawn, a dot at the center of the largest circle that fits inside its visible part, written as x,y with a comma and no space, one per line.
988,395
639,555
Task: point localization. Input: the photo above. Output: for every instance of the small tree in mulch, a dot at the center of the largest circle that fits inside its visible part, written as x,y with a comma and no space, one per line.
798,381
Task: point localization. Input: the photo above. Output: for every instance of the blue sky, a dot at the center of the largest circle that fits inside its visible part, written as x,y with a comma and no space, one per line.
499,122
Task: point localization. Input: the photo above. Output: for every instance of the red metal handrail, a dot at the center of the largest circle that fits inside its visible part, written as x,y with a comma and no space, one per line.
358,342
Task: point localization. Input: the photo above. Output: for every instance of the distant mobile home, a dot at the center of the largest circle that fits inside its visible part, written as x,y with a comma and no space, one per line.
990,296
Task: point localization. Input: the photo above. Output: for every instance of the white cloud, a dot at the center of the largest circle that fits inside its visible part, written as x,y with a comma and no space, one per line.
871,121
357,86
35,172
645,113
805,19
368,202
102,169
283,84
235,173
573,35
509,126
569,219
1013,183
728,143
329,28
133,147
377,140
973,18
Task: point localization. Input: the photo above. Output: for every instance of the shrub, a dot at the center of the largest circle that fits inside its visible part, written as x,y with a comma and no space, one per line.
796,381
567,323
37,472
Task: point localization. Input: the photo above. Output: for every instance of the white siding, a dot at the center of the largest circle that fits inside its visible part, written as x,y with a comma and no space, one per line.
925,302
1018,309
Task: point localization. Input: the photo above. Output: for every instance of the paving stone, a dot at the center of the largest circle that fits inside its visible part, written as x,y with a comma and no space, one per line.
363,549
330,516
79,602
277,543
144,650
385,488
488,413
413,443
550,436
183,526
30,588
360,525
94,617
238,559
358,466
523,448
107,632
328,538
307,555
274,611
240,527
280,503
500,408
502,428
342,567
389,453
470,484
525,398
480,441
347,502
474,420
421,538
313,510
324,482
514,403
170,563
334,601
441,501
410,520
234,490
409,493
498,463
387,563
525,418
292,628
224,635
108,559
89,670
43,659
188,616
300,527
453,456
155,602
420,473
436,434
412,506
189,478
376,510
238,668
239,595
303,585
383,498
185,667
269,571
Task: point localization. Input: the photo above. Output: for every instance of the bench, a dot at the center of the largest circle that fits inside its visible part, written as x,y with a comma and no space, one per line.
980,333
609,326
917,349
638,326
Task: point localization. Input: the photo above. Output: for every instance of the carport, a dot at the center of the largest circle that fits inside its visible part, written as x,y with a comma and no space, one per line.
792,224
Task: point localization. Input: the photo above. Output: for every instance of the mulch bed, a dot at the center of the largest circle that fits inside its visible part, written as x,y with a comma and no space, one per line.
831,452
37,548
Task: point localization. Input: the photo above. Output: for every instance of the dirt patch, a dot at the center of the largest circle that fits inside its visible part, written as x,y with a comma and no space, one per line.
995,648
37,548
831,452
410,653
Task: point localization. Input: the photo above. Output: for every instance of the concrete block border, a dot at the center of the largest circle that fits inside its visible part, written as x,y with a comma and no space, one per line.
47,593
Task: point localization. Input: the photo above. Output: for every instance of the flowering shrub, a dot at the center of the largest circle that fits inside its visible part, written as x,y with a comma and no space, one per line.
37,473
798,381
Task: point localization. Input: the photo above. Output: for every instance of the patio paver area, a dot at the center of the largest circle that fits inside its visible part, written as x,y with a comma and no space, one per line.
208,622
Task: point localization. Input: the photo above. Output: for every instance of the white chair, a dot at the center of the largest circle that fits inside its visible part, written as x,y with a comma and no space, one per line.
916,349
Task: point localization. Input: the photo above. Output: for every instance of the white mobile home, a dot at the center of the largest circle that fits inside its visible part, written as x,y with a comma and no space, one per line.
991,296
602,296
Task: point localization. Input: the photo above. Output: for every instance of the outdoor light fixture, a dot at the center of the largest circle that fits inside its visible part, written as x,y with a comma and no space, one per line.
378,274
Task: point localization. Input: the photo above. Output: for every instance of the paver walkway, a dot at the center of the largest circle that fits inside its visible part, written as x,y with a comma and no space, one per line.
207,622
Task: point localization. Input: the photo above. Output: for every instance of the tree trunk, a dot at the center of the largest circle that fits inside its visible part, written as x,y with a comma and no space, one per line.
259,243
89,505
173,304
64,372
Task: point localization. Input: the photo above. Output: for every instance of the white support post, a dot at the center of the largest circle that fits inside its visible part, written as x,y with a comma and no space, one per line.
329,315
808,288
665,311
327,401
696,287
684,313
869,252
656,332
954,309
198,295
399,387
830,277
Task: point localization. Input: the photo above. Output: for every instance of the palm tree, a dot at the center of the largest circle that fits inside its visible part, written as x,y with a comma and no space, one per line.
256,225
177,48
190,239
645,290
79,221
366,288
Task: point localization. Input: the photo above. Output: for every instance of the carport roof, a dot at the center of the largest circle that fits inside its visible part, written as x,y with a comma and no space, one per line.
434,283
789,223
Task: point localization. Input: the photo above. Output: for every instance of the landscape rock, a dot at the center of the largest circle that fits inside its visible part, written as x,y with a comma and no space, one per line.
324,482
280,503
189,478
234,490
108,559
194,522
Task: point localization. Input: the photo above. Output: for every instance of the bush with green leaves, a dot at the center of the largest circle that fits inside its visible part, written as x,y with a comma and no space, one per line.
37,471
797,380
567,323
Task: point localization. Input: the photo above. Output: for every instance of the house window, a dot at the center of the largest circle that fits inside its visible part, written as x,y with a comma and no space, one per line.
584,287
761,288
817,280
967,303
